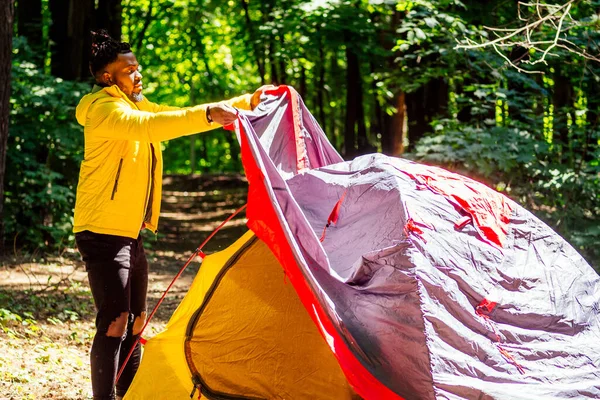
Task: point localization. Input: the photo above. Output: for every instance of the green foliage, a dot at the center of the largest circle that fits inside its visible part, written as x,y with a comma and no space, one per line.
491,152
45,148
20,311
9,319
425,41
533,136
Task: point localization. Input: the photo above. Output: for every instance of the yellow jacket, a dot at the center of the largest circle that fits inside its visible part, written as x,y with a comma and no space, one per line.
120,180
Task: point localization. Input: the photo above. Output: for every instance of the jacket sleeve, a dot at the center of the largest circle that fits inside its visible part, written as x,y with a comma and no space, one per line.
154,107
116,121
242,102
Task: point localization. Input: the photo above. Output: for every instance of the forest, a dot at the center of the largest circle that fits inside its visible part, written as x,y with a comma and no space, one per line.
505,92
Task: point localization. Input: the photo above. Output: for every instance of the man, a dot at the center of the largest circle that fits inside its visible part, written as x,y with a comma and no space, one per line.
119,194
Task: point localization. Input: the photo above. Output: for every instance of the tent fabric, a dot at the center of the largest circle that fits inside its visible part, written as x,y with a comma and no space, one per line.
253,339
423,284
267,197
290,136
242,333
399,286
163,372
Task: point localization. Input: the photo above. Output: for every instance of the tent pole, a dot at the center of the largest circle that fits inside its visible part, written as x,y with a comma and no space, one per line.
197,252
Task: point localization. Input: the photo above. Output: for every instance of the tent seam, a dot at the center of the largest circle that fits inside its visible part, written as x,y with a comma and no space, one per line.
204,388
420,289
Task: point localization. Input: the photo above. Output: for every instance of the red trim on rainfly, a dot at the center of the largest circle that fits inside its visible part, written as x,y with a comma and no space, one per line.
483,309
488,209
464,221
334,216
263,220
301,155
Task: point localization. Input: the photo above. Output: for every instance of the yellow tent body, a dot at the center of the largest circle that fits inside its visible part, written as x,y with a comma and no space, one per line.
241,332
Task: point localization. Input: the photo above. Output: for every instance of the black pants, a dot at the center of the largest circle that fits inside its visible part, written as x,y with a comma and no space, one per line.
118,274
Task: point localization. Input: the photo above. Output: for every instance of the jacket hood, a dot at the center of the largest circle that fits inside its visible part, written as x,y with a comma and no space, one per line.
97,93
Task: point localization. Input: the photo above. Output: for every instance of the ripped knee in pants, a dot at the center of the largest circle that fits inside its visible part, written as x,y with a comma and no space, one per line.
118,327
138,323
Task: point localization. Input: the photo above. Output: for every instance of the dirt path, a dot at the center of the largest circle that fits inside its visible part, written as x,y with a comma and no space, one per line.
46,308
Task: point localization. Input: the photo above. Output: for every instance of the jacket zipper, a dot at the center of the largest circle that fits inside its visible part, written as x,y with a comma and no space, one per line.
112,196
150,189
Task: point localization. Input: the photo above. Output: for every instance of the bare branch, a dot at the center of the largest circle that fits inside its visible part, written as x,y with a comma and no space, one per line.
581,53
553,45
514,32
513,64
533,35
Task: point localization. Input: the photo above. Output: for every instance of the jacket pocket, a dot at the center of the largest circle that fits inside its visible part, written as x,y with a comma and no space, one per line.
112,196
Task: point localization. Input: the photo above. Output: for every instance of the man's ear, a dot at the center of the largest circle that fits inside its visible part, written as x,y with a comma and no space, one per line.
107,79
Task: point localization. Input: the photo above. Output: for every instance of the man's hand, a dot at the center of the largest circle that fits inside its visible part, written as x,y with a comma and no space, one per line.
255,101
222,113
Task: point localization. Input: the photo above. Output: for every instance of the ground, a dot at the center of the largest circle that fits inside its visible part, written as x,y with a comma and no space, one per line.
46,308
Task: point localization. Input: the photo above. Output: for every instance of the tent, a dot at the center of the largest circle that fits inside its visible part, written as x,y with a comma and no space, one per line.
376,278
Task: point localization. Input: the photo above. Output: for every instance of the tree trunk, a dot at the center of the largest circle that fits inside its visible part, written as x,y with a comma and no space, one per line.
69,35
109,16
320,89
85,26
392,142
538,100
592,119
272,62
59,46
424,105
361,130
202,153
192,154
417,115
197,43
437,98
377,117
30,25
563,98
234,150
333,117
259,55
518,112
81,26
352,101
392,127
6,30
282,72
399,127
593,109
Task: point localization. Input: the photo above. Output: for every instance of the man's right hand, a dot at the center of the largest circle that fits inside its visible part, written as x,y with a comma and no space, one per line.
222,113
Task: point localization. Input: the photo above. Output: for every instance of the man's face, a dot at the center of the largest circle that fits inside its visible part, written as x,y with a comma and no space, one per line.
124,72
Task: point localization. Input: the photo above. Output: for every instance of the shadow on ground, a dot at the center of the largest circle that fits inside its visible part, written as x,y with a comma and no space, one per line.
47,311
192,207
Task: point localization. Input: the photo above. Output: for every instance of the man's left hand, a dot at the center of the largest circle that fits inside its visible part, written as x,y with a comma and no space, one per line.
255,101
222,113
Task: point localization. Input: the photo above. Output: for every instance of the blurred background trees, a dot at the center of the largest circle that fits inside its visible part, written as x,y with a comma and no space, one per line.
378,76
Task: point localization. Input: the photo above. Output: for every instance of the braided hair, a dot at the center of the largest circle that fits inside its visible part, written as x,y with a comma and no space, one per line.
105,50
